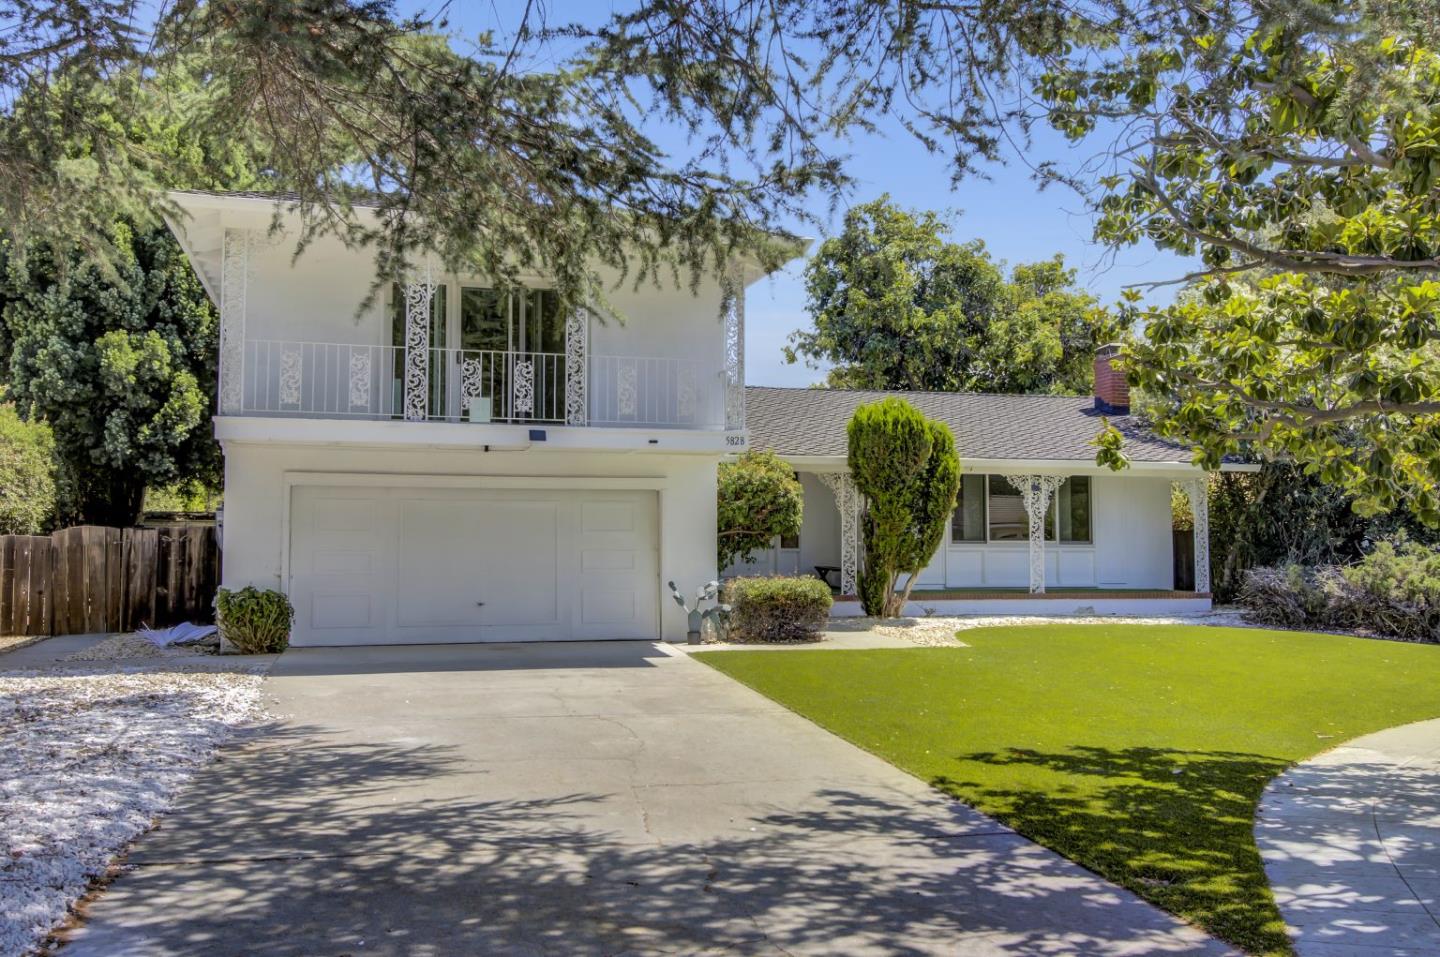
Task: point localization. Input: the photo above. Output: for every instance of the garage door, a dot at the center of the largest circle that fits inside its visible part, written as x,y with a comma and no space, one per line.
408,565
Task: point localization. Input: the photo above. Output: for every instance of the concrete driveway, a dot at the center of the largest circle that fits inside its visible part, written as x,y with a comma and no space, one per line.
590,798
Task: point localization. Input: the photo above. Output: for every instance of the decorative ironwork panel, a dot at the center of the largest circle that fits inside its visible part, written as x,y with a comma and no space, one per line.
472,379
686,390
360,378
847,501
1035,492
418,299
577,371
234,279
524,387
626,394
734,353
292,363
1198,491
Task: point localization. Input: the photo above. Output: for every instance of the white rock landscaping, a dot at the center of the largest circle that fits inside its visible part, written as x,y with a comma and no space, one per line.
92,753
940,631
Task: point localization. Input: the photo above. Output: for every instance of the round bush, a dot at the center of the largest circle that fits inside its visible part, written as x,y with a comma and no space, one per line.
776,609
255,622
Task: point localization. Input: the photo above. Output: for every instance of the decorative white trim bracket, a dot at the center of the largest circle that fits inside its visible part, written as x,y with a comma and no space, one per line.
360,378
234,281
735,354
1035,492
419,296
1198,492
577,367
524,388
847,500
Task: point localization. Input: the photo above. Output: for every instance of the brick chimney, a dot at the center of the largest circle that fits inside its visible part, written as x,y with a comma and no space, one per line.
1112,392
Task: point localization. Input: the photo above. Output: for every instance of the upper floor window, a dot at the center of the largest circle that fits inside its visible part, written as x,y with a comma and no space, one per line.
989,508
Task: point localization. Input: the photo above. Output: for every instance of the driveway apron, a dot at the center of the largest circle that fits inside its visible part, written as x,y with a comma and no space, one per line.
580,798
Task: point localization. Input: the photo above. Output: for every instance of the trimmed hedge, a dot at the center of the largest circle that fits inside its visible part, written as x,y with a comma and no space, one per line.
776,609
1394,591
255,622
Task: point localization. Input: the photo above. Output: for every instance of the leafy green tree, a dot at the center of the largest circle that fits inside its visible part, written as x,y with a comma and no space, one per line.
1290,147
27,474
907,468
1280,516
1296,159
897,306
513,155
119,360
759,499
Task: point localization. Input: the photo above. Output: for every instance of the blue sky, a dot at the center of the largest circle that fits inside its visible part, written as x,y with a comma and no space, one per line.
1017,221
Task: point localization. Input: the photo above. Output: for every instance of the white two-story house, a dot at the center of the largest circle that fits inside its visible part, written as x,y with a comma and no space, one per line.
450,463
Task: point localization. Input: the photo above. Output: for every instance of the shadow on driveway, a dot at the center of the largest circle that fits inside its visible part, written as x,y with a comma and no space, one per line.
490,800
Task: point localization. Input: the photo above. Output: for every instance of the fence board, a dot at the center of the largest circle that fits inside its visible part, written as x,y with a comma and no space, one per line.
8,625
20,600
96,579
141,547
114,580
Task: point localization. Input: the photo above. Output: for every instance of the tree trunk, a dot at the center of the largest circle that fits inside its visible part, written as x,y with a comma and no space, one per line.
905,598
115,501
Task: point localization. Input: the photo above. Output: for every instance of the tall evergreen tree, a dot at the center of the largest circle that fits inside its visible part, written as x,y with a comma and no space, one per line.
119,360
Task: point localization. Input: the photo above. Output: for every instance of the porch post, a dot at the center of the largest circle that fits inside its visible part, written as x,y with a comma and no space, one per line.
1198,491
234,280
734,292
419,294
577,367
1035,492
847,500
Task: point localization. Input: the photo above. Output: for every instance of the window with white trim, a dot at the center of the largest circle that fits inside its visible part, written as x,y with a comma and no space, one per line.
990,509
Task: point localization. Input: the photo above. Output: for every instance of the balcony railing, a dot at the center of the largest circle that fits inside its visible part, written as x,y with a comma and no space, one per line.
341,380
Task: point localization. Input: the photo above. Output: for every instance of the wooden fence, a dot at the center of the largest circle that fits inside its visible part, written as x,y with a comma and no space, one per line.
92,579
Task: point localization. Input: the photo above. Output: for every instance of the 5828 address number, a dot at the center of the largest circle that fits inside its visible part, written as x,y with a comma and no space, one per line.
735,440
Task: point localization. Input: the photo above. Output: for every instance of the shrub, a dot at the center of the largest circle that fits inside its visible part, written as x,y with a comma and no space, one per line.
758,499
27,474
1284,596
906,467
776,609
256,622
1393,591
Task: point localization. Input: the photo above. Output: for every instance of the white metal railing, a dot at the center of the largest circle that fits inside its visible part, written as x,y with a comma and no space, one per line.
669,393
345,380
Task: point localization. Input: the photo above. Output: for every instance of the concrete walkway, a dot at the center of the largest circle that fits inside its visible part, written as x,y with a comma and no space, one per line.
598,798
1351,842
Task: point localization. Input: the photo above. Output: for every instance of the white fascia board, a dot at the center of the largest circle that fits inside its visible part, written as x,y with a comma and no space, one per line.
255,212
394,433
837,463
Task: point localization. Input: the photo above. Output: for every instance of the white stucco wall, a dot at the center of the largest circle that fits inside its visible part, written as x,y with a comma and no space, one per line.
259,476
1132,543
316,298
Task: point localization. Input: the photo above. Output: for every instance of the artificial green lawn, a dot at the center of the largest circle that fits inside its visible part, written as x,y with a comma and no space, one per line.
1139,751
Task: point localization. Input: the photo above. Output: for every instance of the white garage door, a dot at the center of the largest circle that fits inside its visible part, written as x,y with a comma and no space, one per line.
406,565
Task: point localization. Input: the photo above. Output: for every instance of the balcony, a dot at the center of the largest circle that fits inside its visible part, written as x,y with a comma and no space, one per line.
323,380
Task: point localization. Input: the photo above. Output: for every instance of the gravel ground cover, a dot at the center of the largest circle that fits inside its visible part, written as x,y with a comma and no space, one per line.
93,750
940,631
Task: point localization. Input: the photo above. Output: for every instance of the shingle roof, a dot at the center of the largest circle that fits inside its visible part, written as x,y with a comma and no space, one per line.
804,422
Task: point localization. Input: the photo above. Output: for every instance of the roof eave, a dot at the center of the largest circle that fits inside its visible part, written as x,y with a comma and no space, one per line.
970,463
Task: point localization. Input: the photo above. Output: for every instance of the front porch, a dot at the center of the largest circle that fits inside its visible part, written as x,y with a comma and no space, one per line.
1090,542
949,602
